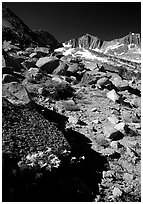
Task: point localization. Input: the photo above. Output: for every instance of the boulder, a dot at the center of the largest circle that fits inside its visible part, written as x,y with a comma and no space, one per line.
120,84
73,68
61,69
116,192
42,49
113,119
15,93
120,126
136,102
128,177
112,95
7,78
116,136
108,130
70,105
102,82
8,61
29,63
48,64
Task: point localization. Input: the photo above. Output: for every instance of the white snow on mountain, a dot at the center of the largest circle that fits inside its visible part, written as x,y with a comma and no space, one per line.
112,47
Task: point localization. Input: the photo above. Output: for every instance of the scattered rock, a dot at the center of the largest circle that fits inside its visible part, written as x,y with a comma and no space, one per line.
108,130
48,64
73,120
61,69
7,78
120,126
116,192
70,105
116,136
120,84
128,177
112,95
102,82
96,121
113,119
114,144
136,102
15,93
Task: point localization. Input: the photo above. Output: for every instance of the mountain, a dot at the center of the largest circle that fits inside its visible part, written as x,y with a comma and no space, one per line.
128,47
14,30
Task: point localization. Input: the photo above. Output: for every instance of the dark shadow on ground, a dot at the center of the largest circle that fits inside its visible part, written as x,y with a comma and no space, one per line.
76,180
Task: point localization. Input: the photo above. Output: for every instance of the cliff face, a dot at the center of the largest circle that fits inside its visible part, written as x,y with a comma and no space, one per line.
17,32
128,46
86,41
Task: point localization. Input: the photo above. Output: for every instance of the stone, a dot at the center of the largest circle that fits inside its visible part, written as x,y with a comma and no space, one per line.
61,69
73,68
116,136
102,141
120,126
128,177
127,116
42,49
114,145
70,105
116,192
136,102
112,95
102,82
29,63
94,109
7,78
113,119
120,84
16,93
73,120
108,130
8,61
95,121
48,64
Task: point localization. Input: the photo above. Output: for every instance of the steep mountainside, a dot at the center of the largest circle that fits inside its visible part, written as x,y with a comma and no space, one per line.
18,33
128,47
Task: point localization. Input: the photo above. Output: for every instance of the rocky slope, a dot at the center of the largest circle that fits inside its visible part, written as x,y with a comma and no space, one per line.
71,123
128,47
18,33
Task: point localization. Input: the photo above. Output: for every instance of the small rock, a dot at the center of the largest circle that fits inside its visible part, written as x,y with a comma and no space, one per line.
93,109
48,64
108,130
128,177
114,120
112,95
117,192
70,105
73,120
114,144
95,121
102,141
127,116
136,102
7,78
102,81
120,126
116,136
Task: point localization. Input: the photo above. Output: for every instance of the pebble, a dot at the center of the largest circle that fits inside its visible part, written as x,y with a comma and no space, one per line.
119,126
128,177
113,119
113,95
117,192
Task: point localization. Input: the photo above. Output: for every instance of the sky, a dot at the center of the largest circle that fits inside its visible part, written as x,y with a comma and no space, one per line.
68,20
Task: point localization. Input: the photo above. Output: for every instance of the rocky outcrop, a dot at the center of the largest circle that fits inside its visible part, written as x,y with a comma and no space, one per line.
19,34
86,41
